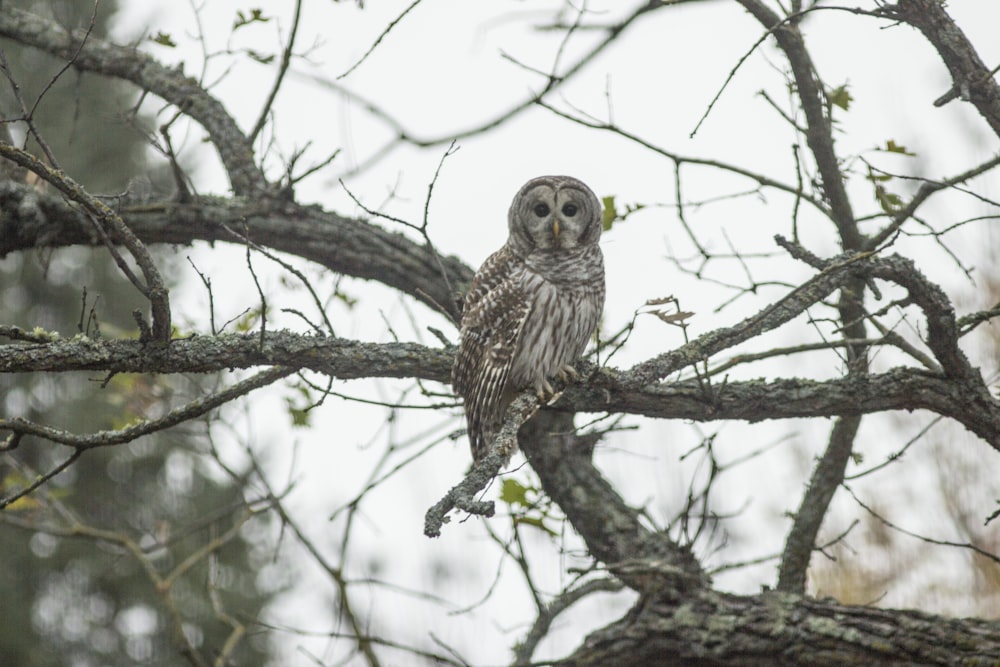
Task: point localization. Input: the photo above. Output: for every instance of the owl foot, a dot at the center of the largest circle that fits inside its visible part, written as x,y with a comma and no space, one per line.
544,391
567,373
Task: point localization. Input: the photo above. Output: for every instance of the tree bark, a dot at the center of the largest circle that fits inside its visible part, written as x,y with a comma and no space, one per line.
710,628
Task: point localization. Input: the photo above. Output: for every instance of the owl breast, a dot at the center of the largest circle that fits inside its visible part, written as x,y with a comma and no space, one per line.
564,314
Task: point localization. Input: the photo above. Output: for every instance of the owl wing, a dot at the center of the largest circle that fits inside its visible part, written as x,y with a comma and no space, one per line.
494,315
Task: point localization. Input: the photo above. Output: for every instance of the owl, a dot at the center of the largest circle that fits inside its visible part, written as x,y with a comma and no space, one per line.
532,305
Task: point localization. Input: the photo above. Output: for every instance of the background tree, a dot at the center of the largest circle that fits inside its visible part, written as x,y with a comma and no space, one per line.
826,285
65,601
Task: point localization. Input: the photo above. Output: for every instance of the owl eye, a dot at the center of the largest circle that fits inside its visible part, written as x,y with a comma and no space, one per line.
569,210
541,210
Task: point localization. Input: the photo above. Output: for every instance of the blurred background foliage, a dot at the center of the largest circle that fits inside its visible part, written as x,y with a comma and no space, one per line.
63,601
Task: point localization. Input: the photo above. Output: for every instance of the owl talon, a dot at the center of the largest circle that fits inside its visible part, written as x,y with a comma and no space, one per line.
544,391
567,373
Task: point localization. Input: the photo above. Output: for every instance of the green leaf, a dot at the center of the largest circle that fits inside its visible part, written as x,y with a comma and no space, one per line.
255,16
892,147
513,492
346,298
249,321
609,214
163,39
890,203
300,416
840,97
879,178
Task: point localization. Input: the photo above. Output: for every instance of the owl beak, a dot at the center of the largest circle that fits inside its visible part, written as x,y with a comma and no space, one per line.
555,228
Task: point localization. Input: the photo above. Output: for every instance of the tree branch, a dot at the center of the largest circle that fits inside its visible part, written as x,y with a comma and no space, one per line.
973,81
719,629
819,137
108,225
462,495
194,409
343,245
643,559
235,149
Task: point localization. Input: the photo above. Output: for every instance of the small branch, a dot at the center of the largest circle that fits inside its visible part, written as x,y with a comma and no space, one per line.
286,59
108,223
130,64
926,189
378,40
526,647
462,495
40,479
553,81
678,159
923,538
184,413
819,135
827,477
817,288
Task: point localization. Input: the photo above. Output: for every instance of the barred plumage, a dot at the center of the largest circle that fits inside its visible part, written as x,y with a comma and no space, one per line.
533,304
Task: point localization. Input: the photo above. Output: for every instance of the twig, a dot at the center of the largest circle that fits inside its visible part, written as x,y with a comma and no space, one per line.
286,59
378,40
102,216
548,613
184,413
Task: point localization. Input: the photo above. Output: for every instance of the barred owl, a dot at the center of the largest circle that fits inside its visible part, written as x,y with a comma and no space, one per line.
533,304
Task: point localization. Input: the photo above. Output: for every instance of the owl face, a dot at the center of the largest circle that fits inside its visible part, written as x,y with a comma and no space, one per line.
554,213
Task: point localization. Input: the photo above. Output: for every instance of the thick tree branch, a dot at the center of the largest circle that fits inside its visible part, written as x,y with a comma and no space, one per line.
338,357
826,479
973,81
343,245
964,399
643,559
711,628
235,149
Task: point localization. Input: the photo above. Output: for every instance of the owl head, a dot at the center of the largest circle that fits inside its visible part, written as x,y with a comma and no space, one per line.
553,213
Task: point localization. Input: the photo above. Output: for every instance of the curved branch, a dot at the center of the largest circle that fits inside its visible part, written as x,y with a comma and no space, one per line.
554,80
194,409
973,81
108,225
642,558
345,245
837,271
234,147
540,628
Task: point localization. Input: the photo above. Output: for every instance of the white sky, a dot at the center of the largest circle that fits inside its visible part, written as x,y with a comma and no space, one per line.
442,69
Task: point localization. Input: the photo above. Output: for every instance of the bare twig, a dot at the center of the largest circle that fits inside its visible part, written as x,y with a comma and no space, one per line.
112,229
286,60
